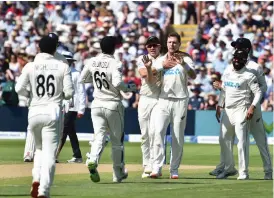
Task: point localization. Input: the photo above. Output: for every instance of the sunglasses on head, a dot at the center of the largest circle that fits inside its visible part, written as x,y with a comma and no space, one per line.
152,45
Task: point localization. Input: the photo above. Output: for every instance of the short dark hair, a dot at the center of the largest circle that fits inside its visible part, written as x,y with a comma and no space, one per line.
175,34
108,44
47,45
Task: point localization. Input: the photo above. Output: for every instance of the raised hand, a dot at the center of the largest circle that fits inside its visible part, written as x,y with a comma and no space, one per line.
147,62
169,62
178,58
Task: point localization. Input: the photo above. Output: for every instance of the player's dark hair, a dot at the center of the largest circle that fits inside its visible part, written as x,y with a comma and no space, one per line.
175,34
108,44
47,45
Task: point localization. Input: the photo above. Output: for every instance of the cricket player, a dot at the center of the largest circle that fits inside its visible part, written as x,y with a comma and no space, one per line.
149,93
172,106
238,87
107,111
256,122
50,83
29,145
74,108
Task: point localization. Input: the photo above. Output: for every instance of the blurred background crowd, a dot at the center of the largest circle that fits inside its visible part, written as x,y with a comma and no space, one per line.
80,26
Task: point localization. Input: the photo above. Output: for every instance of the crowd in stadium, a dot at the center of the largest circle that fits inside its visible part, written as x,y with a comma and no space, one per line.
80,26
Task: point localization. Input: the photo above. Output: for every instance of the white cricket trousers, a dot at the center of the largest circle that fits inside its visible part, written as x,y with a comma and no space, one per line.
234,122
145,109
258,132
174,112
44,124
108,116
29,144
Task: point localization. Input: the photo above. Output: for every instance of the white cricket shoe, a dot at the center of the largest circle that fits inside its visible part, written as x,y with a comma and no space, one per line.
225,174
75,160
148,169
243,177
28,159
145,175
268,176
156,173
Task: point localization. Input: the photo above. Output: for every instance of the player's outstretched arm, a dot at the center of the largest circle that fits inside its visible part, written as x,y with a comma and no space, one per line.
261,79
67,82
82,96
86,75
188,64
254,87
23,83
117,81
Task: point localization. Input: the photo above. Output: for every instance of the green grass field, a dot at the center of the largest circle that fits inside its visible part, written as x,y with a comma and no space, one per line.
192,183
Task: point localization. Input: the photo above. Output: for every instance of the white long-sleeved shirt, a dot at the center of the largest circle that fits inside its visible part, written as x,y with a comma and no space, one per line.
238,88
254,68
78,101
49,80
105,73
174,82
150,90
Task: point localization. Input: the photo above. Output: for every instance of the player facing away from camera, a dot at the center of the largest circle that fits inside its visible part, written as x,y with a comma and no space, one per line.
107,111
150,90
172,106
50,83
256,122
29,145
74,108
239,86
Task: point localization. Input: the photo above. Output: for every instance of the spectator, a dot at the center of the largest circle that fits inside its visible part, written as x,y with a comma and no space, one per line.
131,77
14,65
143,20
196,102
204,79
14,10
56,18
72,12
40,23
220,64
211,102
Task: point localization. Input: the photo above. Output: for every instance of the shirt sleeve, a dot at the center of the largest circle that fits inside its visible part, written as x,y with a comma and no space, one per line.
158,64
189,62
81,95
221,101
86,75
261,79
23,83
254,87
67,82
117,74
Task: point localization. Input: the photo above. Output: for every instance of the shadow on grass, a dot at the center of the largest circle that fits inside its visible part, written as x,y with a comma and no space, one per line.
213,178
27,195
151,182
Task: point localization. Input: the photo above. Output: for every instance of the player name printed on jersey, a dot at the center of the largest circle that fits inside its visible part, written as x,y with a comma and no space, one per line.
46,67
103,64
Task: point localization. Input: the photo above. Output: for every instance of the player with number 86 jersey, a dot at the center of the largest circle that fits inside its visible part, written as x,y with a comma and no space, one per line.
50,82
